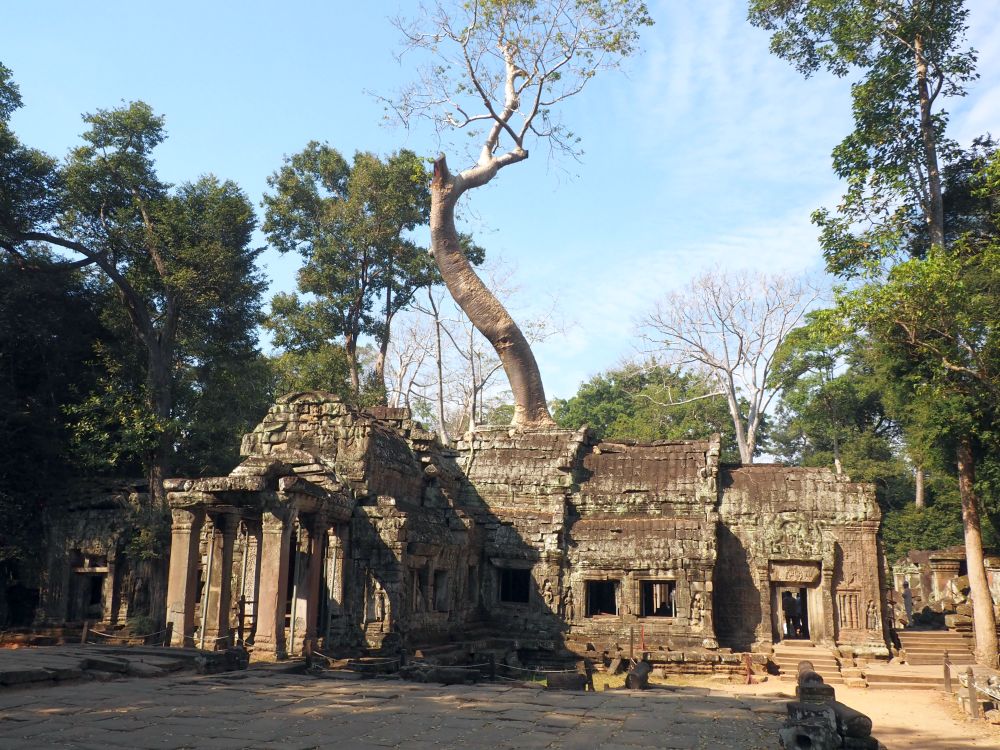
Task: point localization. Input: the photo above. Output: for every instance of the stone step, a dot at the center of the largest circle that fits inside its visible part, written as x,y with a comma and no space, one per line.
896,677
938,660
829,662
902,685
957,643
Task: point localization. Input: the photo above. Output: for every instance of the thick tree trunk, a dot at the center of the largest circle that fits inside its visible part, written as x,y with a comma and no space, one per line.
742,444
383,347
351,347
483,308
935,209
154,569
982,601
160,402
918,494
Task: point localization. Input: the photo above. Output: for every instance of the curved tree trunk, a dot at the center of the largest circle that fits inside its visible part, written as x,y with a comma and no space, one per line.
485,311
982,601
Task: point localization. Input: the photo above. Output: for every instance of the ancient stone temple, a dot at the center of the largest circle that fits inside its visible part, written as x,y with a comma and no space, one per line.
343,529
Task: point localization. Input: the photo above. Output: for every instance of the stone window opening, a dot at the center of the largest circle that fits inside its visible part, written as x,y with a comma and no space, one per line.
441,591
515,585
602,598
657,598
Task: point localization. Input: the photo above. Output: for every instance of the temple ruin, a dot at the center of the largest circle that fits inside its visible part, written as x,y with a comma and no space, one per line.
345,529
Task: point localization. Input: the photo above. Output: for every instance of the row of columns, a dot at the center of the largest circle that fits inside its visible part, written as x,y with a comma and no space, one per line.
282,533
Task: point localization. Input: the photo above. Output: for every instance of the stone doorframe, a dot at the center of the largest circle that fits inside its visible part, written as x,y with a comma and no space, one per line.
810,574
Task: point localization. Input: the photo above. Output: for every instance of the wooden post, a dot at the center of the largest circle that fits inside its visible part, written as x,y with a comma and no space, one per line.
493,666
86,631
168,633
631,643
240,624
749,668
947,673
973,696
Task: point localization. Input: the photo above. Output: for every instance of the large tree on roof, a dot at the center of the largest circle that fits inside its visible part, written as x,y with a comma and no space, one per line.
499,69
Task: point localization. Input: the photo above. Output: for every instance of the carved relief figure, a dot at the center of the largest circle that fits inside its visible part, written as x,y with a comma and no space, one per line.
697,611
569,610
381,605
871,616
547,595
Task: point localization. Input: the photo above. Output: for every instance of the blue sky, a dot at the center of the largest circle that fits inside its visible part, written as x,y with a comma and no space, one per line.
706,152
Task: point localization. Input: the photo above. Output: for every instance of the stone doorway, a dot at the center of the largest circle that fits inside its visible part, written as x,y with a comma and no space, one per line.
791,607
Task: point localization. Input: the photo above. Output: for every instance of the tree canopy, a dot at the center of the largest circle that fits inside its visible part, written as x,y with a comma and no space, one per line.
351,224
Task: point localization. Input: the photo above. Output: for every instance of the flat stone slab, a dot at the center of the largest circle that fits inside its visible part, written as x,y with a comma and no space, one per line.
266,709
49,665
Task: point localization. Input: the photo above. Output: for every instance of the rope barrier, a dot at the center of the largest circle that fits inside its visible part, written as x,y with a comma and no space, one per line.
538,671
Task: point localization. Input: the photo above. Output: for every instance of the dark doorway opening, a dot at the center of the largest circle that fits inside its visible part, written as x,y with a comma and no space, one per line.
793,602
602,598
515,584
657,598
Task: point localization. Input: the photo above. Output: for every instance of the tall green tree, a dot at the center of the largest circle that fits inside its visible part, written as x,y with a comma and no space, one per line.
647,402
179,262
935,322
48,326
910,55
351,224
830,410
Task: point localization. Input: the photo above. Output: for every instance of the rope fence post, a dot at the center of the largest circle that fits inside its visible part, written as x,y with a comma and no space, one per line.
973,697
947,673
86,631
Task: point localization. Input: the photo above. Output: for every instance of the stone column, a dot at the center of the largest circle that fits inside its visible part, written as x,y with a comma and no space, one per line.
110,613
827,634
220,587
765,628
317,537
272,592
181,583
334,575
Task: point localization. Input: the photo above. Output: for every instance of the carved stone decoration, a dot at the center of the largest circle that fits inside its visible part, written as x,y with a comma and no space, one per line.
806,573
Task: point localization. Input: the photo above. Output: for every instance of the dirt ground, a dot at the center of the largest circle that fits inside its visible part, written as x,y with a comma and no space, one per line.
901,719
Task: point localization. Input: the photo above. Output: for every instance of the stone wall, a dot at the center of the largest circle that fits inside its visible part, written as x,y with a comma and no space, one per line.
788,527
644,520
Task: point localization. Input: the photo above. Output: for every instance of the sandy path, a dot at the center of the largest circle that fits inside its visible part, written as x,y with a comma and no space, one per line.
906,719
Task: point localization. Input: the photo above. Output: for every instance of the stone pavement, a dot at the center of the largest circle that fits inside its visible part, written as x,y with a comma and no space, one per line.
264,709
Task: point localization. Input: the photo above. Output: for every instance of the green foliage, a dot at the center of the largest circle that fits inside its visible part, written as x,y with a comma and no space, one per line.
890,159
936,526
646,403
181,298
932,330
350,222
48,323
831,403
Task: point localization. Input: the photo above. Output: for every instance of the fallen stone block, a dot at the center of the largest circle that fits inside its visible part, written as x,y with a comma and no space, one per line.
820,693
811,713
141,669
638,677
851,723
567,681
24,676
105,664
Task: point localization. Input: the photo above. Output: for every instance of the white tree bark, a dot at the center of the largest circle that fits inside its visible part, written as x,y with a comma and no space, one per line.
730,326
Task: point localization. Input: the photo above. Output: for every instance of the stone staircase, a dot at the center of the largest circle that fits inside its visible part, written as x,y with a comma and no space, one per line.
788,654
927,647
923,652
